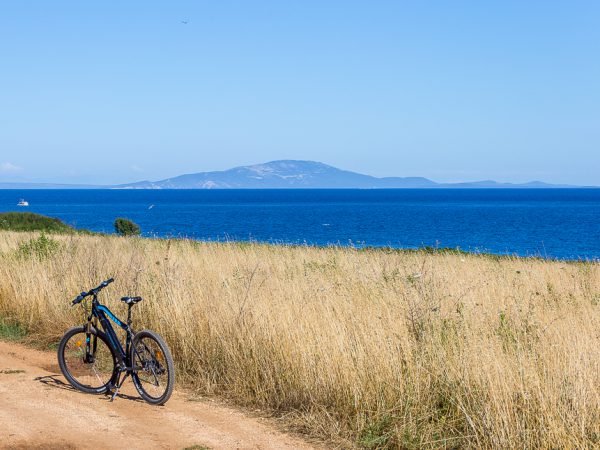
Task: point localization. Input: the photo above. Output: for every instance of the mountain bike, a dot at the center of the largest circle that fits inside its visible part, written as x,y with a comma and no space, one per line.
95,362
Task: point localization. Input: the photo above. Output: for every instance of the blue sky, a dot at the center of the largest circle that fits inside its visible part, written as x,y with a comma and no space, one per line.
105,92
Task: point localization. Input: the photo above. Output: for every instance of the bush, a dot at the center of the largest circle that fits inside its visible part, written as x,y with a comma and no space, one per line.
41,247
126,227
26,221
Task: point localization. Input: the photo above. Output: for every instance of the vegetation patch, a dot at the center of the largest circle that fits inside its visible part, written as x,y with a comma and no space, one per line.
11,371
126,227
378,434
26,221
11,331
40,247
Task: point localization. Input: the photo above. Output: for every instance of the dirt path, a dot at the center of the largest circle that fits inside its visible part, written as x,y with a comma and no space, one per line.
38,410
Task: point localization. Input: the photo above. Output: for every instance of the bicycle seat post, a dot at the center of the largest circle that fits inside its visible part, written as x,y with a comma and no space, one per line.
129,314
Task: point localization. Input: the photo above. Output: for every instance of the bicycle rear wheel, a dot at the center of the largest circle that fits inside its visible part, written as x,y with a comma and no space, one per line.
154,372
92,373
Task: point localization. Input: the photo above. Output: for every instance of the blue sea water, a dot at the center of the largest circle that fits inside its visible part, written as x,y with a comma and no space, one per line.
556,223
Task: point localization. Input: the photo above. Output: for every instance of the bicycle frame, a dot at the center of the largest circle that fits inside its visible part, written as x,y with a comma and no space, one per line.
102,313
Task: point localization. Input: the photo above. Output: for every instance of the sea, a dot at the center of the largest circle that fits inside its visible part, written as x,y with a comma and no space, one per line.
548,223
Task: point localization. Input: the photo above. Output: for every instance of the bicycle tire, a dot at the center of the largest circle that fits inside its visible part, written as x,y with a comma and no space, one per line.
149,364
106,381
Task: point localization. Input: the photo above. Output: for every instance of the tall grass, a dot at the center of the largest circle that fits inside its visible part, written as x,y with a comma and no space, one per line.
379,349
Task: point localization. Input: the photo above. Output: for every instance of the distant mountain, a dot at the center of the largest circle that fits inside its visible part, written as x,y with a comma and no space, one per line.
287,174
291,174
278,175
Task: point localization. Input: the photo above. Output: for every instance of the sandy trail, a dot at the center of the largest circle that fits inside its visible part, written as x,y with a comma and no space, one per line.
39,410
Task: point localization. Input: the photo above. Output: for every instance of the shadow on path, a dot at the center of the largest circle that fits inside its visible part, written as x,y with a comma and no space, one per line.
55,382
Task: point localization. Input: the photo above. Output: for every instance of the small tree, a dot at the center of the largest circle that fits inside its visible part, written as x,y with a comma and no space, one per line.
126,227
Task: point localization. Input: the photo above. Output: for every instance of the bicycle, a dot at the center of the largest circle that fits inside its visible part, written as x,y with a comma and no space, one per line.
95,362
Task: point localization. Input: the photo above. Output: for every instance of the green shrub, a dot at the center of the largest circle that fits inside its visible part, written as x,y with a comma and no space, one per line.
126,227
26,221
378,433
41,247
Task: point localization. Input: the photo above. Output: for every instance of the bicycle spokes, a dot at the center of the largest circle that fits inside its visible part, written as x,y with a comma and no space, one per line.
90,364
150,363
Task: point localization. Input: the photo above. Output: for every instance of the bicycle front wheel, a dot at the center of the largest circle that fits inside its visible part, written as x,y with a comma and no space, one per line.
89,371
154,372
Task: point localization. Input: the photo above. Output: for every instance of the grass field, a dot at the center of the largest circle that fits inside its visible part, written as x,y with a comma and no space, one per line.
376,348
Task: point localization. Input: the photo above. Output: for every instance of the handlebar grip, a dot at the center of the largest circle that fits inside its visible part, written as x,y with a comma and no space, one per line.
78,299
105,283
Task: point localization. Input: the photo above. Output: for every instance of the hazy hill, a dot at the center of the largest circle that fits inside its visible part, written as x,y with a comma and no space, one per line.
302,174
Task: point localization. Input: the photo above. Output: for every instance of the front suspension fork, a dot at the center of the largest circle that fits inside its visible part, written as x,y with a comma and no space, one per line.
91,342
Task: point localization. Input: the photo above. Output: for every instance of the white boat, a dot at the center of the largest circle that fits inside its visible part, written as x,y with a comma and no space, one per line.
22,202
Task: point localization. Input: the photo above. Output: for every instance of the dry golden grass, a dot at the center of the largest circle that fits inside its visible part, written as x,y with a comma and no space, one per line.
381,349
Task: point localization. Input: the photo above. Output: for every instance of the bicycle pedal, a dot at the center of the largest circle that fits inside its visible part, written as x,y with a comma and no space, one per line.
114,394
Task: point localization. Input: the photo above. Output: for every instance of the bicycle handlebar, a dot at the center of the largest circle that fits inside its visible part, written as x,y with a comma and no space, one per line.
94,291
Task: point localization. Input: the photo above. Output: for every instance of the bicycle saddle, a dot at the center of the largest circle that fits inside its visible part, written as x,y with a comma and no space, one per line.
131,300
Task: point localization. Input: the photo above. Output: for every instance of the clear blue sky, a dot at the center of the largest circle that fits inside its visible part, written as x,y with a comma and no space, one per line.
108,92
